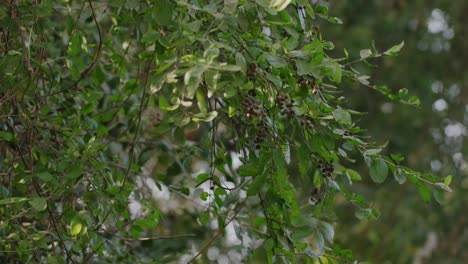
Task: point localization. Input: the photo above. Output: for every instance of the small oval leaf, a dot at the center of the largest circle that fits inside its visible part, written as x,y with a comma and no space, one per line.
378,170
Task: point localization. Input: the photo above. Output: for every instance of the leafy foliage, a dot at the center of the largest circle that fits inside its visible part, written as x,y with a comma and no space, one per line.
108,107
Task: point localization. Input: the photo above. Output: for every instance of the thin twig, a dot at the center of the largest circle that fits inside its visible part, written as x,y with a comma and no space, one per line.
220,231
157,238
98,52
40,194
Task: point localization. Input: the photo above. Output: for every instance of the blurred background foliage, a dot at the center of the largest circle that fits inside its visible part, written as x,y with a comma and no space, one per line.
433,66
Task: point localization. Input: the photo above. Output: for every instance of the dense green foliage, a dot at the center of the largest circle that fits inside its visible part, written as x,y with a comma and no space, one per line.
432,66
157,131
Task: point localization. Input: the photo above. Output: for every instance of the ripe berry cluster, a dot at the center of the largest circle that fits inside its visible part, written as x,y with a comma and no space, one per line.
252,109
314,196
286,105
252,72
326,168
262,133
307,123
305,83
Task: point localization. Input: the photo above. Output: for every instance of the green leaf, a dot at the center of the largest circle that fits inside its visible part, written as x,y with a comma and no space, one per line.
192,79
303,157
371,152
38,203
150,37
211,54
395,49
256,184
220,191
400,176
201,101
363,213
205,217
240,61
211,79
321,10
378,170
225,67
230,6
6,136
132,4
45,176
248,170
302,233
13,200
179,136
274,6
448,180
204,196
424,192
353,175
414,101
397,157
276,61
74,48
342,116
163,11
163,104
205,117
335,20
279,162
269,244
202,177
333,70
439,195
402,92
75,227
304,67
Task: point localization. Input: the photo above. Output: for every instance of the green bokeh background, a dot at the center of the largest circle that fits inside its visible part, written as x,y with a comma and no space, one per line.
433,66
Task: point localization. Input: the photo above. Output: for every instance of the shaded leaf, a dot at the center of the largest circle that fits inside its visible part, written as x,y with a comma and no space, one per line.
39,203
363,213
342,116
378,170
400,176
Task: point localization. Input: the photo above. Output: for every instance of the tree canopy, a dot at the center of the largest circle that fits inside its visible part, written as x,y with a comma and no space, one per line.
183,131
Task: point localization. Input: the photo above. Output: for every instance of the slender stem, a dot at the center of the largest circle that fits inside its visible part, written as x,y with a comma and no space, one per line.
220,231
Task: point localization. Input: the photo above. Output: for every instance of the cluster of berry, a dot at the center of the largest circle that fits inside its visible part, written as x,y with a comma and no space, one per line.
307,123
252,72
326,168
305,83
314,197
262,133
252,109
286,105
